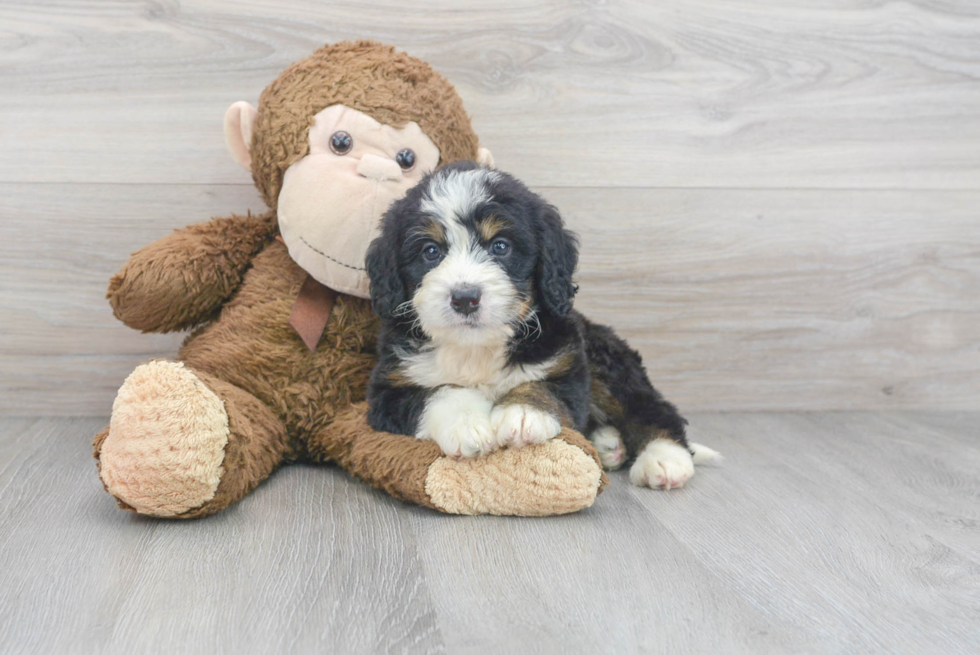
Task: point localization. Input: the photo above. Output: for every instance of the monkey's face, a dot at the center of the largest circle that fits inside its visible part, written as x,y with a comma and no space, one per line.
332,200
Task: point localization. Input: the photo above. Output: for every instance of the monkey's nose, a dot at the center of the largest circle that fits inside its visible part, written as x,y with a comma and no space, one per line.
465,300
379,168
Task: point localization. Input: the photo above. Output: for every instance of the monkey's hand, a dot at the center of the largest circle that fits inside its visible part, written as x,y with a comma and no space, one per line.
182,279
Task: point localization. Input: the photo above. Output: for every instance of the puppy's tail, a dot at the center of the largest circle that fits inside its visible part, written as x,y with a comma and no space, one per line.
702,454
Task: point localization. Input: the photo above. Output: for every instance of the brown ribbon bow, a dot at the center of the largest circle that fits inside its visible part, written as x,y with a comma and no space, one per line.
312,311
312,308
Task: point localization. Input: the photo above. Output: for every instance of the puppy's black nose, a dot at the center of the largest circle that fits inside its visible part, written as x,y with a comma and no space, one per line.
465,300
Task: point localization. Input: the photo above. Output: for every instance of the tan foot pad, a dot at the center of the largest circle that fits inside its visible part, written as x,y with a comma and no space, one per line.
166,441
550,478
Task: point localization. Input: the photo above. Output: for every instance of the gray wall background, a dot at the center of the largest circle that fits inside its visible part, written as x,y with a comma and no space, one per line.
779,205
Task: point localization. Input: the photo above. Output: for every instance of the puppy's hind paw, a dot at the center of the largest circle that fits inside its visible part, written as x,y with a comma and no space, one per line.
609,444
662,464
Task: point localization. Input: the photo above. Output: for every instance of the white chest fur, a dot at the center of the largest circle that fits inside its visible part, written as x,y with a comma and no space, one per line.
482,367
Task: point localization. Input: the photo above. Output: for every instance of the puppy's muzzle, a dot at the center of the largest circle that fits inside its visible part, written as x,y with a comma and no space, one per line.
465,300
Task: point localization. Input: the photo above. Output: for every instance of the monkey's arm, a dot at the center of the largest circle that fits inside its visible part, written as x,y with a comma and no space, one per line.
182,279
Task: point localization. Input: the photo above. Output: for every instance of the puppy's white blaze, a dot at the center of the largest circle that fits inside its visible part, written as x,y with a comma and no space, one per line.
459,421
466,268
452,196
663,463
449,199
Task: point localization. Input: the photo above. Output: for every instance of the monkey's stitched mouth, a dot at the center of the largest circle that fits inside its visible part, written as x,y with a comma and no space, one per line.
323,254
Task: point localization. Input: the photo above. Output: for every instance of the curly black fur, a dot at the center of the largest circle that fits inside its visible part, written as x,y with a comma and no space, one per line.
600,380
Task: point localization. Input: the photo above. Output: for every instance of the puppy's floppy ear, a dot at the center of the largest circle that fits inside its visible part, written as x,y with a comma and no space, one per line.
387,289
556,262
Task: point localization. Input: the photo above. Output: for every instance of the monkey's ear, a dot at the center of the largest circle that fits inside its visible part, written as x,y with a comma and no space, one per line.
556,263
484,158
239,120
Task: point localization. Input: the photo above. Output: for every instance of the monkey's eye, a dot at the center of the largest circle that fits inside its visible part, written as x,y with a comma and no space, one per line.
500,247
405,158
341,142
431,252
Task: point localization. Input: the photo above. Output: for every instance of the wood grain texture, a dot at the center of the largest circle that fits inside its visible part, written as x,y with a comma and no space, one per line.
847,525
736,299
778,202
820,533
789,299
688,93
337,571
59,244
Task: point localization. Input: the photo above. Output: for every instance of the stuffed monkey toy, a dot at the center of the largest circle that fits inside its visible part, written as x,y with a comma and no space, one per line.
282,342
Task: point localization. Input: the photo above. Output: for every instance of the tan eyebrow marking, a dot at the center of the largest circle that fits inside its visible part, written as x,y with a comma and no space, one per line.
491,226
433,230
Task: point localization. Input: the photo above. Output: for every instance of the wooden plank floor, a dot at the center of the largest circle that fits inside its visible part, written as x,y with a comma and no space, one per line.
820,533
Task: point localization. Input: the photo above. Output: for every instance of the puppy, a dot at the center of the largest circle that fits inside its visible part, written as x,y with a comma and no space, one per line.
480,347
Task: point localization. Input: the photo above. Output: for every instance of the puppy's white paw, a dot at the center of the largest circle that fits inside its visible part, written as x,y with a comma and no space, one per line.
609,444
459,421
522,425
663,463
467,435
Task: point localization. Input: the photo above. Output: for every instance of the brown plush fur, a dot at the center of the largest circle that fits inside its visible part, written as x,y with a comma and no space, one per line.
304,389
389,86
182,280
232,281
390,462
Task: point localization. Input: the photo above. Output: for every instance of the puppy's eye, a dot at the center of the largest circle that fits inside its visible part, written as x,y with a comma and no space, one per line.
500,247
431,252
341,142
405,158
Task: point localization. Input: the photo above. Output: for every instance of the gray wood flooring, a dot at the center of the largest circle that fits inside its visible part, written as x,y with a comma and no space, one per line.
820,533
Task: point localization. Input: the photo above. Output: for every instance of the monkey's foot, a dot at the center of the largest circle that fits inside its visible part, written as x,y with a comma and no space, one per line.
166,442
559,476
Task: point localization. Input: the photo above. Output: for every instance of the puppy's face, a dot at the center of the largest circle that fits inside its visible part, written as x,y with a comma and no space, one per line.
466,254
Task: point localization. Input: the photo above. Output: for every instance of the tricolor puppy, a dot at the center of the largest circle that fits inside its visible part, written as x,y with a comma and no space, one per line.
480,347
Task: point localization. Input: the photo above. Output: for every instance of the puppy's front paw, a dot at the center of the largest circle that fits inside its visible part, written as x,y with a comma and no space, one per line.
467,435
663,463
523,425
459,421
